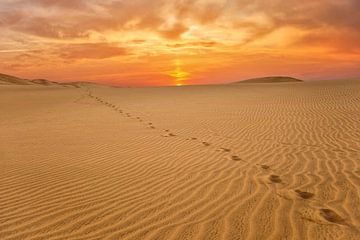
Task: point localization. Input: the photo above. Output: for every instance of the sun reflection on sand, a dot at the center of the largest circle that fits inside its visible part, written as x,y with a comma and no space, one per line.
179,74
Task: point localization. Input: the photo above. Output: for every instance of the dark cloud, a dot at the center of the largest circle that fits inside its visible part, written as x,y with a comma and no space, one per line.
174,32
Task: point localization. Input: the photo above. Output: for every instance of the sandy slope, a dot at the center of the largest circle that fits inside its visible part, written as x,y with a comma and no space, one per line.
274,79
202,162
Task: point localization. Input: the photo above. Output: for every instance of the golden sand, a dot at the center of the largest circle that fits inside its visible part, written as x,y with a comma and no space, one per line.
247,161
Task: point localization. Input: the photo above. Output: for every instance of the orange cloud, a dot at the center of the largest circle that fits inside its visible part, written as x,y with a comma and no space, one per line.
63,3
91,51
174,32
215,40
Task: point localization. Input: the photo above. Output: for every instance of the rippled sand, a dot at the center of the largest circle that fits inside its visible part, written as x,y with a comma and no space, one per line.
246,161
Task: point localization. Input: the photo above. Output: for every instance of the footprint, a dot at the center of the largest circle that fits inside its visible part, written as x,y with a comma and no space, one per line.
304,195
331,216
266,167
225,149
206,144
275,179
236,158
169,135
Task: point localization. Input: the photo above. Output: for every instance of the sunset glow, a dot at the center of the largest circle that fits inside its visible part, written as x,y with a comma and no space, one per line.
179,42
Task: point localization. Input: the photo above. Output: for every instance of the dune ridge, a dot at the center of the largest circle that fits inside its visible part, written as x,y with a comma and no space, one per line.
271,79
7,79
204,162
11,80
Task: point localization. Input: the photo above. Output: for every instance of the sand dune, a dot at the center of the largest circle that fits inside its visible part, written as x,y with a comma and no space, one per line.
275,79
10,80
198,162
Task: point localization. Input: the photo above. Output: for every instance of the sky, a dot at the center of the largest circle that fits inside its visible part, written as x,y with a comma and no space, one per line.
179,42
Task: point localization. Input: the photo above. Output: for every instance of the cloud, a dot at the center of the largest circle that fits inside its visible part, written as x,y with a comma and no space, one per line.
91,51
42,27
205,44
201,11
14,50
337,41
174,32
68,19
204,32
71,4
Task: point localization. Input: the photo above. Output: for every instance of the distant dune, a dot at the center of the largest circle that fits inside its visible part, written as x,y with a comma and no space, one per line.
272,79
11,80
43,82
6,80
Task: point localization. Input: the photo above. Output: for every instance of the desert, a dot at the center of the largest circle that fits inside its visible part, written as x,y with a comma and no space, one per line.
276,160
179,120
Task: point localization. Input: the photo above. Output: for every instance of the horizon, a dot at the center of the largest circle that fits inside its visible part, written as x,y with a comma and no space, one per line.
182,85
161,43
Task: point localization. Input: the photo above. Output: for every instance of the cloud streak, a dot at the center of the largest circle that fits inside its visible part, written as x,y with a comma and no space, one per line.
91,51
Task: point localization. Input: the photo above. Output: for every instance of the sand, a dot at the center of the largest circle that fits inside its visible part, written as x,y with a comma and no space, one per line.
280,161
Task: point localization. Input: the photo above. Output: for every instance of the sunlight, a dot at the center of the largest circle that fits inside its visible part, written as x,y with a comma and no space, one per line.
179,74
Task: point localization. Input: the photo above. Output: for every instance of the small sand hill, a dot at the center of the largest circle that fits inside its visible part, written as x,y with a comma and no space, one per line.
44,82
80,84
273,79
10,80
